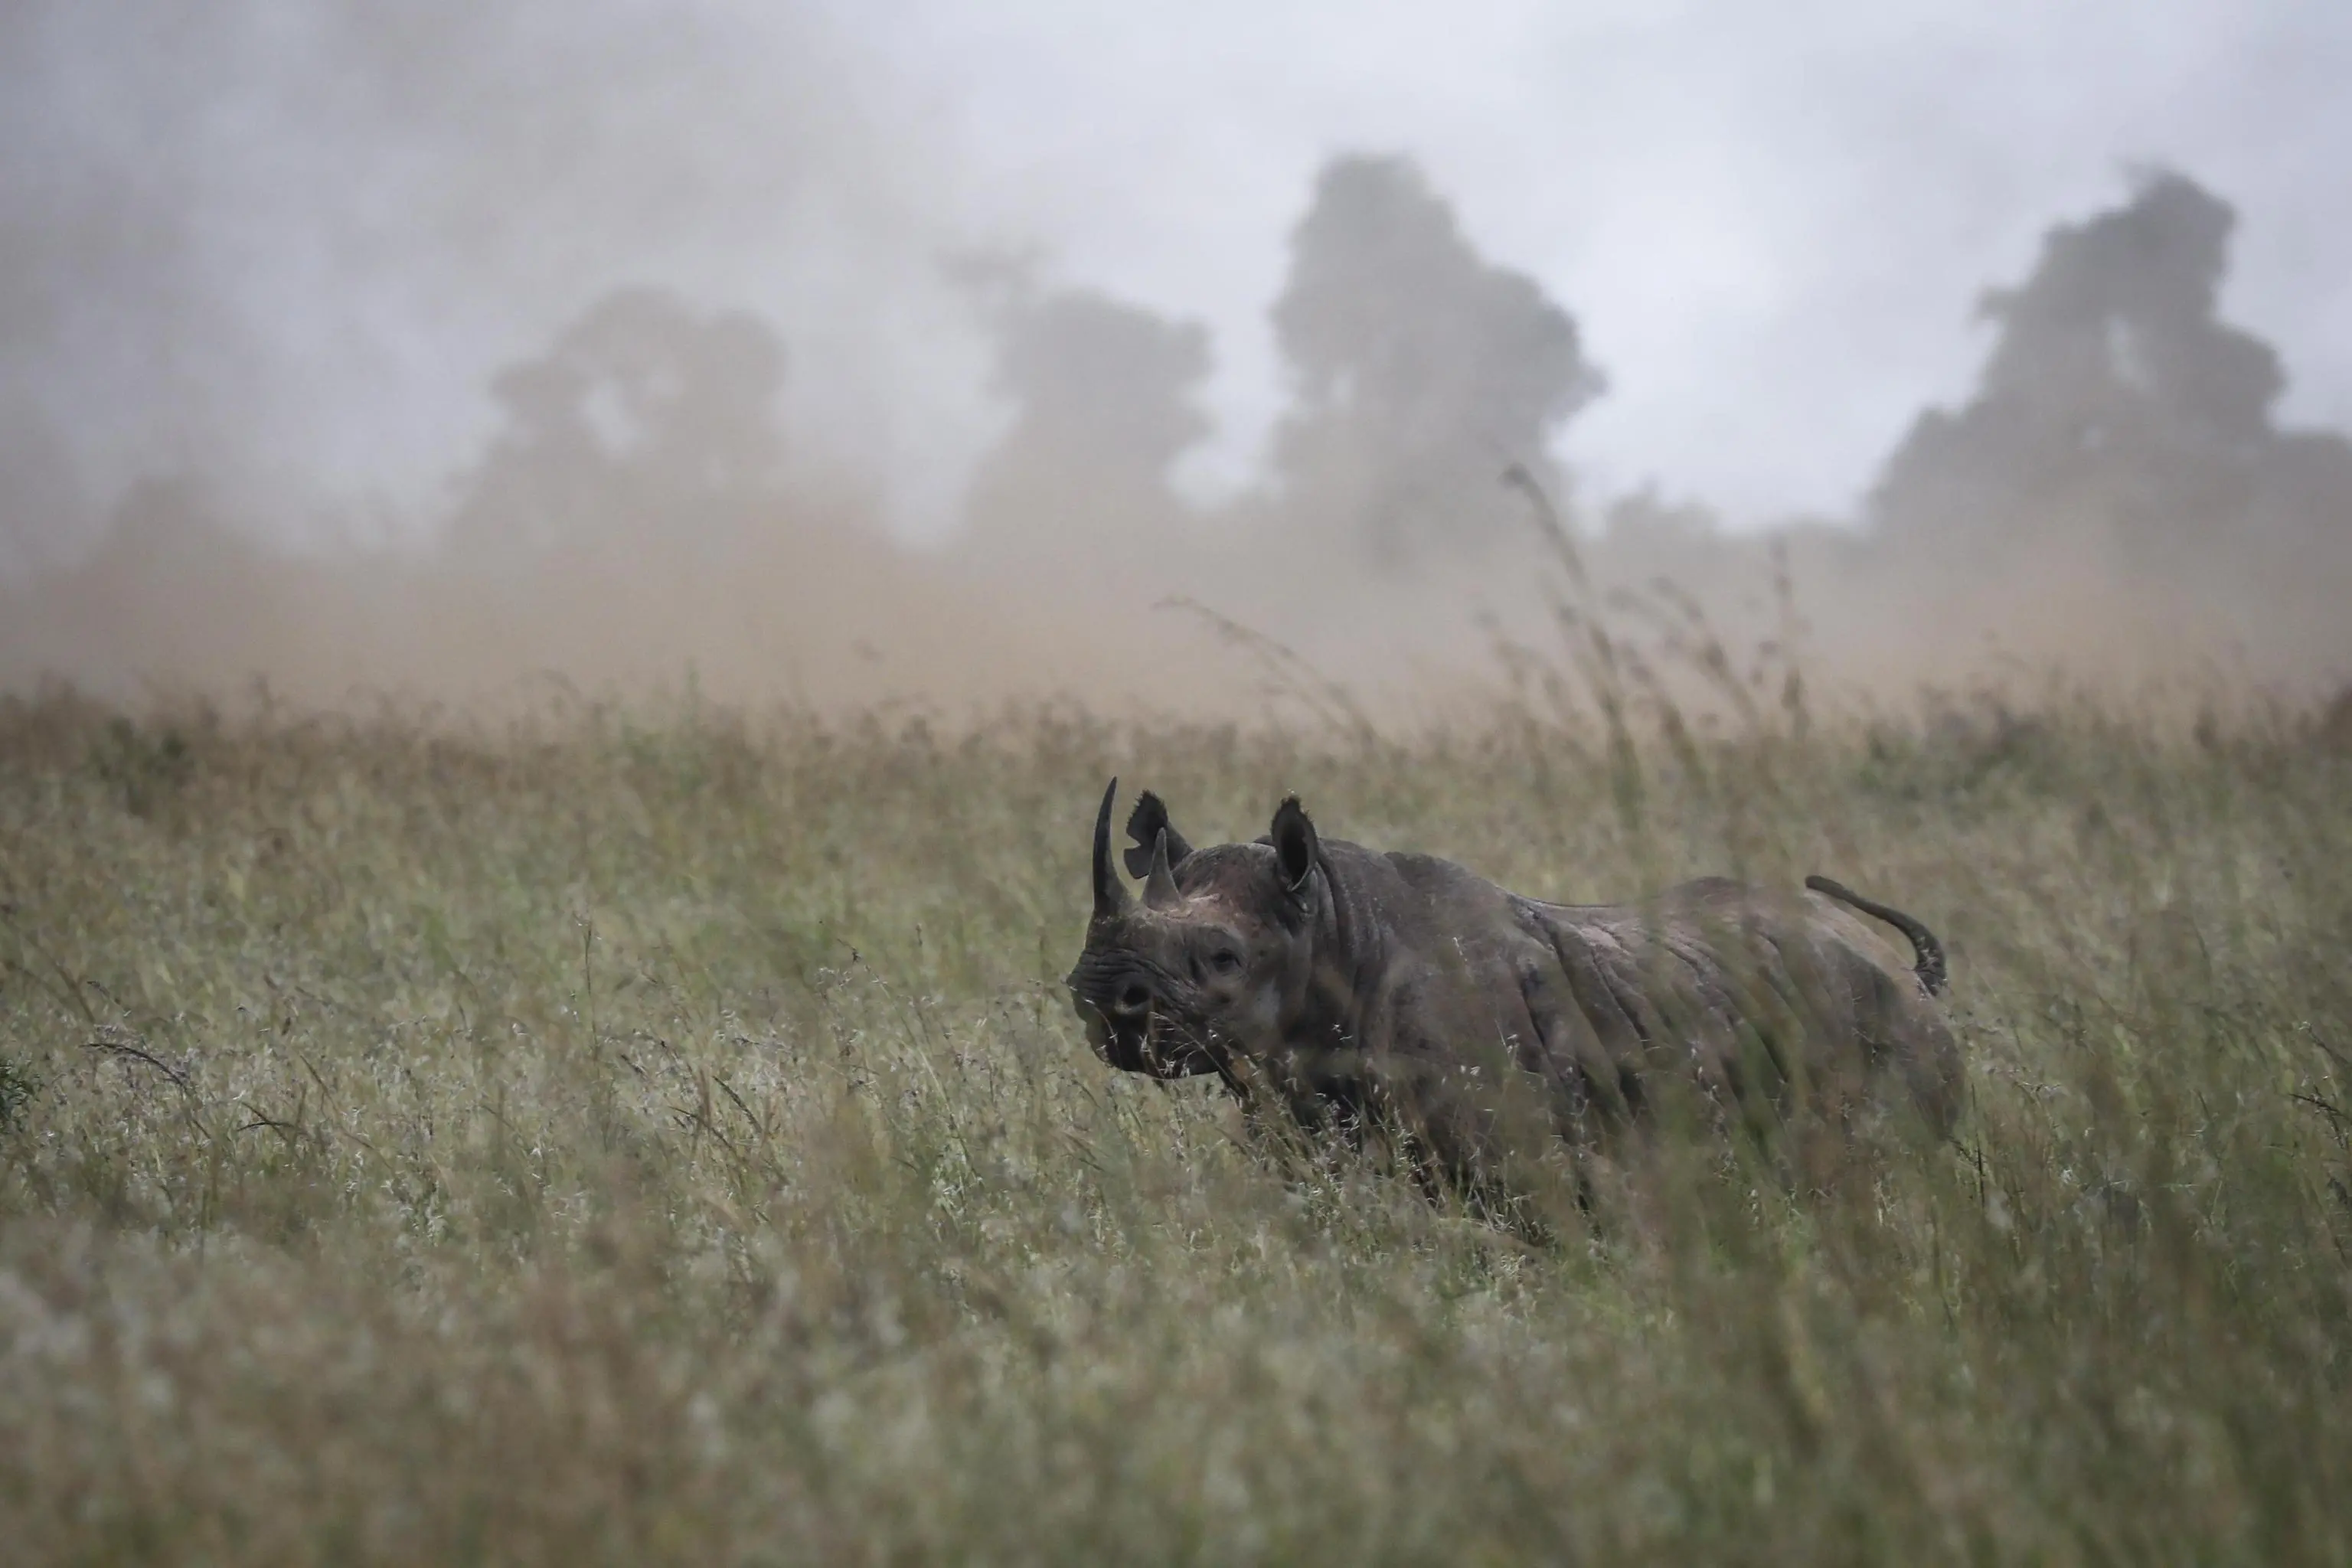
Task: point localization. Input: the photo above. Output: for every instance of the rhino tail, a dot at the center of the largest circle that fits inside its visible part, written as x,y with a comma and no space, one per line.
1925,948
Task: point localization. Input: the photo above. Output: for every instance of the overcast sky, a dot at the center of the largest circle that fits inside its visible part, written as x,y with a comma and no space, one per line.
1770,222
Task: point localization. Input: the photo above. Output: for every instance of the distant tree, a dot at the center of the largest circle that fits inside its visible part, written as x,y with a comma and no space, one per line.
643,413
1106,399
2115,398
1419,369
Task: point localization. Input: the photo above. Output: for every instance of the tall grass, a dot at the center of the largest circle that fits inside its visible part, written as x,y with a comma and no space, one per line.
622,1139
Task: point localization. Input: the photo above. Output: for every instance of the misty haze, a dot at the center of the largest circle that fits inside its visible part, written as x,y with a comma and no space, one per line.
290,392
608,613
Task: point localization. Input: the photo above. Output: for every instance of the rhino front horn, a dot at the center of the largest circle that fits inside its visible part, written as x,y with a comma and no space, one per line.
1159,887
1110,893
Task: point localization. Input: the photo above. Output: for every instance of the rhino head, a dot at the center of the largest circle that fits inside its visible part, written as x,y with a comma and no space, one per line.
1204,972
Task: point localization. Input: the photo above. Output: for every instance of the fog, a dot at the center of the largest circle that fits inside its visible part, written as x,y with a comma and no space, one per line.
848,357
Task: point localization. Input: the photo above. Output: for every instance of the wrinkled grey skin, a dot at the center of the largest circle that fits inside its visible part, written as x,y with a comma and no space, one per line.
1351,984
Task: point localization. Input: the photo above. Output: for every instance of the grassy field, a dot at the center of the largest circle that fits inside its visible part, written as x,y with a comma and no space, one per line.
665,1138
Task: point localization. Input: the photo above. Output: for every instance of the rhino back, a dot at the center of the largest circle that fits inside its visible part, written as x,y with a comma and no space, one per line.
1754,991
1751,992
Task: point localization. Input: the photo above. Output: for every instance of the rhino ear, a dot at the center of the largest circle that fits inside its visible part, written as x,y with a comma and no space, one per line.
1145,823
1295,847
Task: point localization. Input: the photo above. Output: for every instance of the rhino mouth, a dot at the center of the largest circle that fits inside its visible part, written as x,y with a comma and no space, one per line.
1137,1020
1131,1026
1155,1045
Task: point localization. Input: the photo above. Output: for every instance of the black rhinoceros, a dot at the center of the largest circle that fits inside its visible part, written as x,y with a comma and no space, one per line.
1349,984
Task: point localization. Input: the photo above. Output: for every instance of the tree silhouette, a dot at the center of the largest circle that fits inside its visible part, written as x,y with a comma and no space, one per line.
1421,369
1105,400
642,414
2114,399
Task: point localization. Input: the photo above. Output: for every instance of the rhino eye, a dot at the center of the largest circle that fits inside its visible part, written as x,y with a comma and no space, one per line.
1224,960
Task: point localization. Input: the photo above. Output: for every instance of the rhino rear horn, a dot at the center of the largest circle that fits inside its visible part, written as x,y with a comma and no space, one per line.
1110,893
1147,822
1296,847
1159,886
